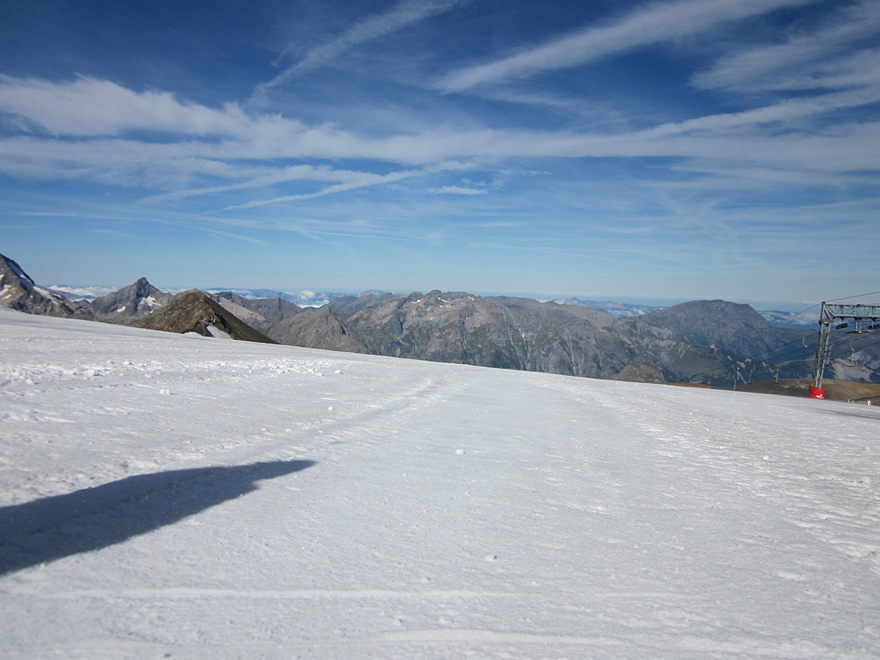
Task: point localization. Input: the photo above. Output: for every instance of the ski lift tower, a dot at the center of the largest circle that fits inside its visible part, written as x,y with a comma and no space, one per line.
859,318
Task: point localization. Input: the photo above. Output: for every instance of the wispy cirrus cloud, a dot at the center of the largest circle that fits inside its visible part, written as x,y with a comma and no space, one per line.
458,190
188,167
363,180
656,23
268,177
87,106
782,113
807,59
99,131
369,29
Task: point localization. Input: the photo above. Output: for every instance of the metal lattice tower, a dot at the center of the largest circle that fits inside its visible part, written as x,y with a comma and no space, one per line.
863,317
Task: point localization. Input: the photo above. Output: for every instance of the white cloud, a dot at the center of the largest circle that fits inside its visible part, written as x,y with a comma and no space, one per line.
369,29
266,177
807,60
782,113
458,190
207,151
363,180
88,106
657,23
184,168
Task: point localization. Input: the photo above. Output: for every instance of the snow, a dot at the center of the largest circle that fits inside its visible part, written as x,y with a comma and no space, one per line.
46,294
216,332
168,498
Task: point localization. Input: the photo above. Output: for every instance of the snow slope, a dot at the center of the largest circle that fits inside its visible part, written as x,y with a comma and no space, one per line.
169,496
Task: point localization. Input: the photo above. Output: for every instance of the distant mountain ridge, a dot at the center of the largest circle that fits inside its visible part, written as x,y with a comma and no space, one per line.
287,323
711,342
307,298
304,298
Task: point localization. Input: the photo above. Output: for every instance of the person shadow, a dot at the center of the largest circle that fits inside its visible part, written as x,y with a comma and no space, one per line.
51,528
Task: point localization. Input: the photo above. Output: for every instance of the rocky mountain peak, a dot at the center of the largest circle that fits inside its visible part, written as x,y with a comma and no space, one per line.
18,291
195,311
129,303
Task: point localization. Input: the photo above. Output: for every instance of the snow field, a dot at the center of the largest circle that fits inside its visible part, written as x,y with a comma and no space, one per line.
183,497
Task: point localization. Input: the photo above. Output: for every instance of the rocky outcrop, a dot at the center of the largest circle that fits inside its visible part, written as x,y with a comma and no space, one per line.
194,311
18,291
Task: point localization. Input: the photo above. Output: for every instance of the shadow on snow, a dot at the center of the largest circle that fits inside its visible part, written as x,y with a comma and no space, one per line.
93,518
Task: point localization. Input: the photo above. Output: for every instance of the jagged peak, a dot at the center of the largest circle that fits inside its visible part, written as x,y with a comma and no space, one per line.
18,271
143,286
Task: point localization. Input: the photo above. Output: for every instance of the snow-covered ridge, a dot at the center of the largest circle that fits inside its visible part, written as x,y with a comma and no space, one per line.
169,496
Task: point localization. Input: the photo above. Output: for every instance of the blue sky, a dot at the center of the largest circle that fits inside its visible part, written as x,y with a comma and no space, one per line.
676,149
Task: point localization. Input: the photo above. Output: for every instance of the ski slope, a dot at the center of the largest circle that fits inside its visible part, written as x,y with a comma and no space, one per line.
169,496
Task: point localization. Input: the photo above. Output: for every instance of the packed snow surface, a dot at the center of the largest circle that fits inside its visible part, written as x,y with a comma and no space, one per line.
169,496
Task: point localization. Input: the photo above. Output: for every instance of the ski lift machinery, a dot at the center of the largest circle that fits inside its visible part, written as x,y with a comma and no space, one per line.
842,315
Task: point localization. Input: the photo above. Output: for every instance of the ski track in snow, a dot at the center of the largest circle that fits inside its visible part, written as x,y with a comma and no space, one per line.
185,497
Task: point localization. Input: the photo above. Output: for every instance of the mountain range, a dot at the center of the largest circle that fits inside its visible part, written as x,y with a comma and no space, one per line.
714,342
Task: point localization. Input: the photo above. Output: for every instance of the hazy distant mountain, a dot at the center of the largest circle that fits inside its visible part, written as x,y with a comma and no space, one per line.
348,304
18,291
731,327
713,342
259,313
778,318
511,333
716,342
132,302
304,298
194,311
317,328
289,324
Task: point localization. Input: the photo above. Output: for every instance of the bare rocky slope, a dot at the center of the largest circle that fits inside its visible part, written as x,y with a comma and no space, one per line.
290,324
260,313
18,291
712,342
194,311
130,303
